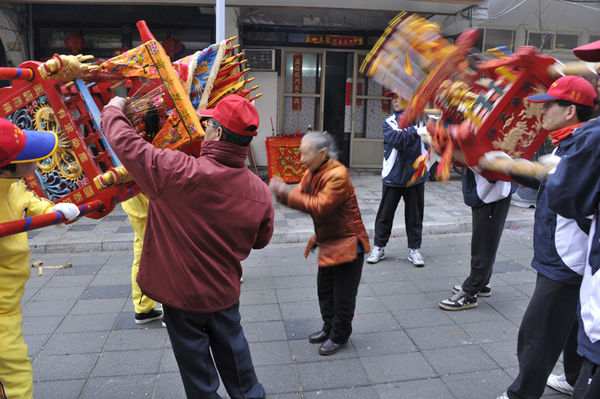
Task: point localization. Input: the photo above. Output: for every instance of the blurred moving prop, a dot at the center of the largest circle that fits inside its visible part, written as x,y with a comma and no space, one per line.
40,266
483,106
66,94
283,155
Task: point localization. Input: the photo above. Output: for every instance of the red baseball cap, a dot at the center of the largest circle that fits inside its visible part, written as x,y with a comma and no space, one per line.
236,114
588,52
569,88
19,146
391,93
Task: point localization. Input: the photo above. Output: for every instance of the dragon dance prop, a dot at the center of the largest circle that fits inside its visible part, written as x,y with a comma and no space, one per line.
66,93
483,108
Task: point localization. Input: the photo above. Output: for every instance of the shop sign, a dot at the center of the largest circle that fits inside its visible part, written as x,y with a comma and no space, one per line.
335,40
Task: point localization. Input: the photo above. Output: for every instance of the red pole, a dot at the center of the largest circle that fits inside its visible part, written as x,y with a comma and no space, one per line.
48,219
7,73
145,33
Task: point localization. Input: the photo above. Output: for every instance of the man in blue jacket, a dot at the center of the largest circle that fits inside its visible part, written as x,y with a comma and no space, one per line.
574,191
401,148
549,324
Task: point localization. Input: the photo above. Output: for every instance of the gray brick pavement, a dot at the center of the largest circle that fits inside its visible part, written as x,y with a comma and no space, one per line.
84,343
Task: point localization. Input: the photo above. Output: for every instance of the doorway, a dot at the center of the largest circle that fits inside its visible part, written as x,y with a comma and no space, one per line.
337,69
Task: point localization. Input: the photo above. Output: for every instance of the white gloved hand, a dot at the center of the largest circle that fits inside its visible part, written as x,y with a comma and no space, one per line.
422,130
71,211
492,156
549,160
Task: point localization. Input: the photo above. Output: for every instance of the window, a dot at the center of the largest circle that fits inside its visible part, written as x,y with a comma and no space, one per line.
499,37
565,41
541,42
552,41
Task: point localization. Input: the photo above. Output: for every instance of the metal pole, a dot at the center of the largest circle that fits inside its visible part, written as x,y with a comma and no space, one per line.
220,21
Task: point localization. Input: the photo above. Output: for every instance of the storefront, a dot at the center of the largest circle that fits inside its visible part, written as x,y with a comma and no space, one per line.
317,80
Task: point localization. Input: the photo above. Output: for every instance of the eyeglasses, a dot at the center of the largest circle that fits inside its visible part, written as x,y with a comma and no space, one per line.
205,124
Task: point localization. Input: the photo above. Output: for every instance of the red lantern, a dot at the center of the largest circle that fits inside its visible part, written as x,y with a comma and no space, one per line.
75,43
172,46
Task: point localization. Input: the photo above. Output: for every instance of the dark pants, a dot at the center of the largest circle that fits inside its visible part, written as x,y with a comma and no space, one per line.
337,287
414,203
588,383
488,223
549,326
195,335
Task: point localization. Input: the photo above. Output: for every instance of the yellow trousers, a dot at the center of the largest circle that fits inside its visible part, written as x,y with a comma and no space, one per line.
16,373
141,302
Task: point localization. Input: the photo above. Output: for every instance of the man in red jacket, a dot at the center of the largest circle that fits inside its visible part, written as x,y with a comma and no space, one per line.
204,217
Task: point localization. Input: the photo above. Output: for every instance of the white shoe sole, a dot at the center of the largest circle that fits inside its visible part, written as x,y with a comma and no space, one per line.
148,320
448,307
375,261
561,389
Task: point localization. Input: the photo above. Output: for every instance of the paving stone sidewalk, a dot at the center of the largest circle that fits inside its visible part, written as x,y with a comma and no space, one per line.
84,343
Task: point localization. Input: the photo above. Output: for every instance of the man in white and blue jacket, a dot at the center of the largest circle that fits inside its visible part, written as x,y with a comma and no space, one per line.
549,324
574,191
401,148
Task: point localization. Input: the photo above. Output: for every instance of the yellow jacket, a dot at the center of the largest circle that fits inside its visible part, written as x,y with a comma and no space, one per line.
137,206
16,202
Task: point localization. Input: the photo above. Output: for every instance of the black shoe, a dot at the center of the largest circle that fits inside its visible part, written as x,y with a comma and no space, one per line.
459,301
329,348
146,317
318,337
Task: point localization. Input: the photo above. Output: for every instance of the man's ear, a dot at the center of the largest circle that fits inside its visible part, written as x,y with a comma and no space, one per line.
219,133
571,112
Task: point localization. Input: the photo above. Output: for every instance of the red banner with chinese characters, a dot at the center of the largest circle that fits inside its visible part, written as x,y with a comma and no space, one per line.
283,156
297,81
335,40
385,104
359,92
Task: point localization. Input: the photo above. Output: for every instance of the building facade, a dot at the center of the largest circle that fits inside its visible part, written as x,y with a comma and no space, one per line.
306,60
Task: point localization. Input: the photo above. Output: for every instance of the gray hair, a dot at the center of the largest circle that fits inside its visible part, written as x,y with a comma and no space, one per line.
320,140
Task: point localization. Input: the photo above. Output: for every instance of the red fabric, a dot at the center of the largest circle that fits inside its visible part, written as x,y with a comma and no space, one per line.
558,135
283,157
328,197
205,216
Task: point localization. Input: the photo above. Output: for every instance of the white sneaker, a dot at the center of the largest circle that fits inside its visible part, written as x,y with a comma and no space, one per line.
414,256
559,383
376,255
503,396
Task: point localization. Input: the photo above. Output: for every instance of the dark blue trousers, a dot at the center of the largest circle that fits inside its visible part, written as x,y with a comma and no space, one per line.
194,336
414,204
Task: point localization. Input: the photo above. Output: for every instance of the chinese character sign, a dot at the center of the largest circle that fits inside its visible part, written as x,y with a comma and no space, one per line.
297,81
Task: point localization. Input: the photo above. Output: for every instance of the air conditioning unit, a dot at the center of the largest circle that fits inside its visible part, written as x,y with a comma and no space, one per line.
260,59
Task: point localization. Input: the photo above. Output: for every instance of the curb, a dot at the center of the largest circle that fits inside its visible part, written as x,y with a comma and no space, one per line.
299,236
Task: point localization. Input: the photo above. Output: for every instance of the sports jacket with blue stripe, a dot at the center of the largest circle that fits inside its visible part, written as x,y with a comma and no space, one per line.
401,148
479,191
574,192
559,243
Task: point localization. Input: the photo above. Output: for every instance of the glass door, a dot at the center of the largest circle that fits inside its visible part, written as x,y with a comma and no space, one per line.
301,91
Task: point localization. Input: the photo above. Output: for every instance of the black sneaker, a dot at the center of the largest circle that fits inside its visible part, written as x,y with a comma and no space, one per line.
146,317
459,301
484,293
